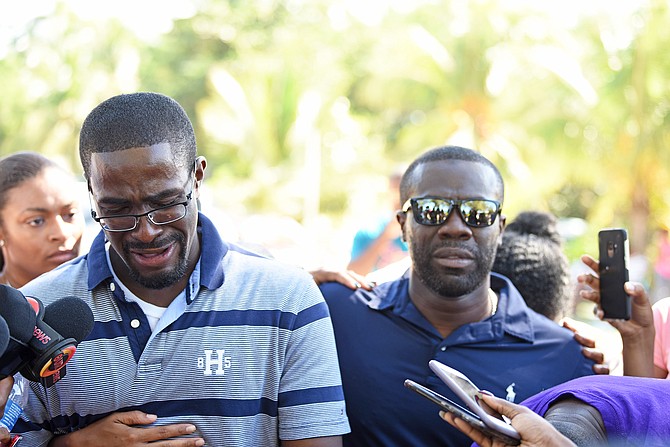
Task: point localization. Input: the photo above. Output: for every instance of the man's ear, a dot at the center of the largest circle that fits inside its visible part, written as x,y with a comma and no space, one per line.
402,218
502,221
200,166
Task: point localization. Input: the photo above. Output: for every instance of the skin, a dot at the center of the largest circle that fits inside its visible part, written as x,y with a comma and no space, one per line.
534,430
133,181
589,349
5,388
348,278
42,226
637,334
449,279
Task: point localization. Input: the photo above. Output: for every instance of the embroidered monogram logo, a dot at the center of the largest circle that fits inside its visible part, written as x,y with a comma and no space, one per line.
215,362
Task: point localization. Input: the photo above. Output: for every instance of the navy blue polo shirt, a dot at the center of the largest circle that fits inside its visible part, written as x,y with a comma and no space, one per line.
382,339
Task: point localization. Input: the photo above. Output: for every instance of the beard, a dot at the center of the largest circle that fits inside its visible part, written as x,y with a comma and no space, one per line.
165,279
452,282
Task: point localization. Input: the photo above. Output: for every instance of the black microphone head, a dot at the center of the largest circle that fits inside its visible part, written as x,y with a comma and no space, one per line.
4,336
18,313
70,317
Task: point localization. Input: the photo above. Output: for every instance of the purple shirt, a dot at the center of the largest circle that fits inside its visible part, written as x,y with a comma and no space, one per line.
634,409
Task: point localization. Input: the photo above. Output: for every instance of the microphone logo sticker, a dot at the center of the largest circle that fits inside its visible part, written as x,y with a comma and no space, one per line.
41,336
215,362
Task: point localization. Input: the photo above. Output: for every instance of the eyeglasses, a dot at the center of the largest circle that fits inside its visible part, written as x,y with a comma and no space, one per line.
434,211
158,216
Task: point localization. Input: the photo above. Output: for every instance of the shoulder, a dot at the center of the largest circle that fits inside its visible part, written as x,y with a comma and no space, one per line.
382,293
524,322
242,261
67,279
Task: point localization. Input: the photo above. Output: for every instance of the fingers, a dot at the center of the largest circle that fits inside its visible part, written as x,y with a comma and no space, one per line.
166,433
585,341
601,369
594,354
134,417
5,388
590,262
502,406
638,293
361,280
467,429
348,278
5,437
582,339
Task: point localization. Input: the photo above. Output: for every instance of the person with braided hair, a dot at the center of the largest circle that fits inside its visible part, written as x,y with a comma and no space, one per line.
531,256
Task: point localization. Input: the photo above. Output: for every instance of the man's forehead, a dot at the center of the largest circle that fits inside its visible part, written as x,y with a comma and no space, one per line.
143,155
458,174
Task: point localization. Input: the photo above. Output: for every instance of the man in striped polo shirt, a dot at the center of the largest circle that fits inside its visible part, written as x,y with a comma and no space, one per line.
196,341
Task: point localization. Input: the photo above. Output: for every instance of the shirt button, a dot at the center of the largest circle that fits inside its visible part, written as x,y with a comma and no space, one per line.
135,323
443,348
112,286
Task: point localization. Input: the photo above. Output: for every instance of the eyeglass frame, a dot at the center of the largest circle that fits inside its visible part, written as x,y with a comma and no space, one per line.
137,217
454,204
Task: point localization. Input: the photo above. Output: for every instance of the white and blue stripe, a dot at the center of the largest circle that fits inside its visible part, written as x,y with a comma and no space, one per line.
265,326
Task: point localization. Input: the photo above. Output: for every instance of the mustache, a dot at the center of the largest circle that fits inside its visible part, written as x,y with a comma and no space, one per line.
458,245
158,243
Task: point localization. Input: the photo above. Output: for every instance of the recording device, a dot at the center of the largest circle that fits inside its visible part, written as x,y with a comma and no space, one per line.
613,273
460,412
41,339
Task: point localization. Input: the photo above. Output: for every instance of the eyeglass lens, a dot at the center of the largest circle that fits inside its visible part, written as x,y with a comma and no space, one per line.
160,216
475,213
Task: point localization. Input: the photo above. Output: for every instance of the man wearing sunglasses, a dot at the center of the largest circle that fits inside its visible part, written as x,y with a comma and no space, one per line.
196,341
448,306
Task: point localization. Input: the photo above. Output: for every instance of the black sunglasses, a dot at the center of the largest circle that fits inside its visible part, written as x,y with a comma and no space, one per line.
434,211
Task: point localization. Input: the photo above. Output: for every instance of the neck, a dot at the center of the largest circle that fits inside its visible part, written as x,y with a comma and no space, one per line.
447,314
8,279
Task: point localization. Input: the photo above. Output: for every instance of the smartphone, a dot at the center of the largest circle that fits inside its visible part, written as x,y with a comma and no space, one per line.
467,391
460,412
613,272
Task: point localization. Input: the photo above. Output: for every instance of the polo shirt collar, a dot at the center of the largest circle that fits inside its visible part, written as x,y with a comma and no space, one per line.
212,250
513,316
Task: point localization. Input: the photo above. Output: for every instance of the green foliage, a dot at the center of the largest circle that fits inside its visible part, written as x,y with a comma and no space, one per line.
297,105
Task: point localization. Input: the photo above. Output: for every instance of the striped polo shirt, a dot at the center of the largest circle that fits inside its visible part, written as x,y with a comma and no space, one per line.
246,354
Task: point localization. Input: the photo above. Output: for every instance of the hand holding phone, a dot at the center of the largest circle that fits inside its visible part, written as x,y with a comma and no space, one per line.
468,392
460,412
613,272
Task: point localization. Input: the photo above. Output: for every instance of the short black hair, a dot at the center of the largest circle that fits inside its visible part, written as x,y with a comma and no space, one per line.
531,256
19,167
137,120
444,153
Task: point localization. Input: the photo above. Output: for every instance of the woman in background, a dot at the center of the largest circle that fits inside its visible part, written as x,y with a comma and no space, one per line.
41,225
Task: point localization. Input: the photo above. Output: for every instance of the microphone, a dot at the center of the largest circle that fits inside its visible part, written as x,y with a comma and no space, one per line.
55,331
4,335
72,319
21,319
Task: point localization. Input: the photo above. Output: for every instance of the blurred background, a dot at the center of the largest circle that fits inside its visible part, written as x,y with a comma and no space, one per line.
304,108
